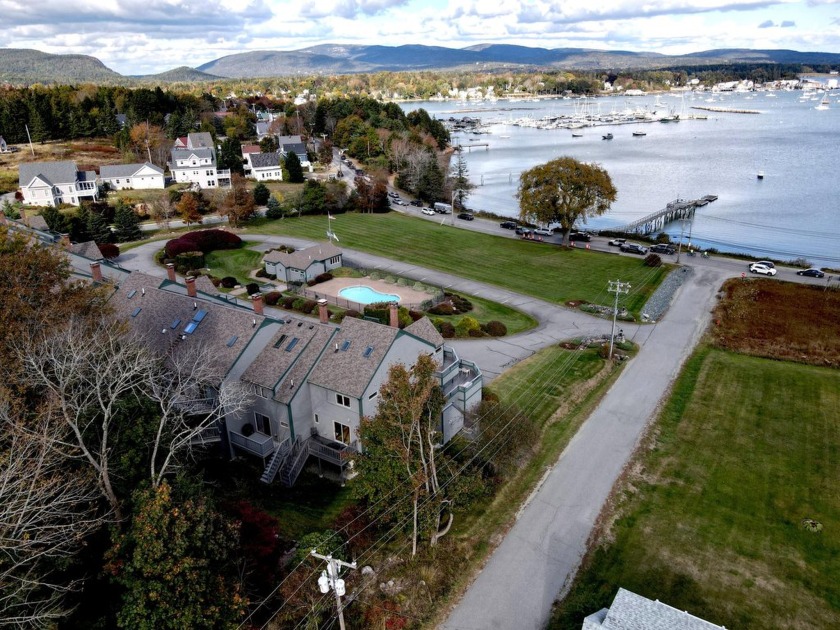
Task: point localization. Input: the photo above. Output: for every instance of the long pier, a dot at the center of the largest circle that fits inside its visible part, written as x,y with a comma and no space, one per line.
674,211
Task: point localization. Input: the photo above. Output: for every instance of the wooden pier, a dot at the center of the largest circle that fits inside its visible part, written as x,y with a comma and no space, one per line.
472,145
674,211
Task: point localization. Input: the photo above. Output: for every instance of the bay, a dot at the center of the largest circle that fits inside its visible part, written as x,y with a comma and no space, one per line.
792,213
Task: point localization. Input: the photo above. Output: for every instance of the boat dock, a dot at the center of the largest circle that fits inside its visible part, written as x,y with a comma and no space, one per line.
674,211
725,110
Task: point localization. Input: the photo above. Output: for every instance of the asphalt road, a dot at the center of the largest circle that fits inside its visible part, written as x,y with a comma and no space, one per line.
542,551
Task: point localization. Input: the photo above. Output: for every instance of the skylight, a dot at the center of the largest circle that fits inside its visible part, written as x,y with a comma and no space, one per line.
292,344
190,329
345,345
174,324
131,293
232,341
199,316
280,341
136,311
368,352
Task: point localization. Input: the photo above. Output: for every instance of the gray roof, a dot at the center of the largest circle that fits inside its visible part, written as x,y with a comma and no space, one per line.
126,170
264,160
199,139
160,308
262,127
88,249
349,371
290,139
86,176
302,258
38,223
184,154
426,330
284,363
52,172
634,612
298,148
205,285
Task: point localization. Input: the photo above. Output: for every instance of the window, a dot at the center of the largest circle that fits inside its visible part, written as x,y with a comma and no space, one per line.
232,341
262,392
342,433
341,399
368,352
292,344
174,324
317,419
132,293
373,395
136,311
345,346
280,341
262,423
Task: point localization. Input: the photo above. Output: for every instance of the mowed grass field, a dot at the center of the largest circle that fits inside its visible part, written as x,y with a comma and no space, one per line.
710,518
537,269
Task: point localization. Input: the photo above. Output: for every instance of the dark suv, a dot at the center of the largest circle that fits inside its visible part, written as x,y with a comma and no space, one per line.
663,248
466,216
508,225
580,236
634,248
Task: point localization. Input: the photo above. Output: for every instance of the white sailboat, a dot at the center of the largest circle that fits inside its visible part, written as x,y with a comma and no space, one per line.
823,103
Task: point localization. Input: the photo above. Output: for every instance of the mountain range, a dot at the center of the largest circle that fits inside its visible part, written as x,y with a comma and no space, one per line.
33,66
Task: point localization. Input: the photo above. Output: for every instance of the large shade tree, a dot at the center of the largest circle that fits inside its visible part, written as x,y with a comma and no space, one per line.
564,191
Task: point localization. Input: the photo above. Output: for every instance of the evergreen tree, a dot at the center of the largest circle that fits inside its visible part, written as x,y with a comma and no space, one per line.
273,208
460,182
55,219
98,228
230,156
294,168
78,225
261,194
127,224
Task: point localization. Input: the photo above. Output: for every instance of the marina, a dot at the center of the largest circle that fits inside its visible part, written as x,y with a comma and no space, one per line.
783,217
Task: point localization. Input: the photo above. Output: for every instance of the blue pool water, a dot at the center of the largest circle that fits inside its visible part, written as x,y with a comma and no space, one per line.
366,295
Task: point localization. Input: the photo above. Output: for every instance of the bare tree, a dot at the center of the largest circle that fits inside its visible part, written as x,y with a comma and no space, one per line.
190,403
46,510
163,211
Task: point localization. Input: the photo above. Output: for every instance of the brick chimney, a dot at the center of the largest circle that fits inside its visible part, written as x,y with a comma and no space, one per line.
257,299
394,318
96,272
190,280
170,272
323,313
65,241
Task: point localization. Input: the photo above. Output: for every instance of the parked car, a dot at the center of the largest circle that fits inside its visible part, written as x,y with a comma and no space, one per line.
766,263
393,195
811,273
416,202
762,269
543,232
617,242
634,248
429,212
522,230
508,225
466,216
580,236
663,248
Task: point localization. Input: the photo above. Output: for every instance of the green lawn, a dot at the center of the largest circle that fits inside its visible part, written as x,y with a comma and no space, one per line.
538,269
234,262
711,522
485,311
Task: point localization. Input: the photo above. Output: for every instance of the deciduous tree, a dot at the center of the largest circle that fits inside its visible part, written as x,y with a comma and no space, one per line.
564,191
238,203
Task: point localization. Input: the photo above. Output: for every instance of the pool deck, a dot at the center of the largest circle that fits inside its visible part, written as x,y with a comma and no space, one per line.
330,289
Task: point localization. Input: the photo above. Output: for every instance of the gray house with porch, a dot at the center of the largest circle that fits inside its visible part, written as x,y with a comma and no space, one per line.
304,264
311,381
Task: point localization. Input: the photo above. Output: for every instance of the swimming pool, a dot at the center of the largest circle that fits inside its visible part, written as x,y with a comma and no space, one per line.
365,295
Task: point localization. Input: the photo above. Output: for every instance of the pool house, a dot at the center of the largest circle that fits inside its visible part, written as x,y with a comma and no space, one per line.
303,265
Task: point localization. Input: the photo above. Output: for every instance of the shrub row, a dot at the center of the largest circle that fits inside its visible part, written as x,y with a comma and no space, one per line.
202,240
321,277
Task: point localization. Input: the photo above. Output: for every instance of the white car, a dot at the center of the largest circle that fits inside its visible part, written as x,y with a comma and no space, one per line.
429,211
543,232
762,269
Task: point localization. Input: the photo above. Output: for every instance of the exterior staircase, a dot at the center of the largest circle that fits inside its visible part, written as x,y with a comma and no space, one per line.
277,460
294,463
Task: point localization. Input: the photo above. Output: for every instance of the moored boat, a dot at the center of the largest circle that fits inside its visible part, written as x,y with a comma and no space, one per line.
608,136
639,133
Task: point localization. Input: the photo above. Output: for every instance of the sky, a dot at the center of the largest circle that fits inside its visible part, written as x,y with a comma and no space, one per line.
149,36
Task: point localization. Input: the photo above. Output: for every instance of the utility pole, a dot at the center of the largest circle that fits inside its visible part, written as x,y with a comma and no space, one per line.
618,287
679,247
329,580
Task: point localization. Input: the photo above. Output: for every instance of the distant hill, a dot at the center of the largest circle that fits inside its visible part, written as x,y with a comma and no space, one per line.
344,59
182,74
32,66
19,65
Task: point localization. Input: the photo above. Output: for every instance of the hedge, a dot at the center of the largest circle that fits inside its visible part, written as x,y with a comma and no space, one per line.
202,240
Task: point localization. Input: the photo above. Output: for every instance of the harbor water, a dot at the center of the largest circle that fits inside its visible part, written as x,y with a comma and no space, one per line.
792,212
